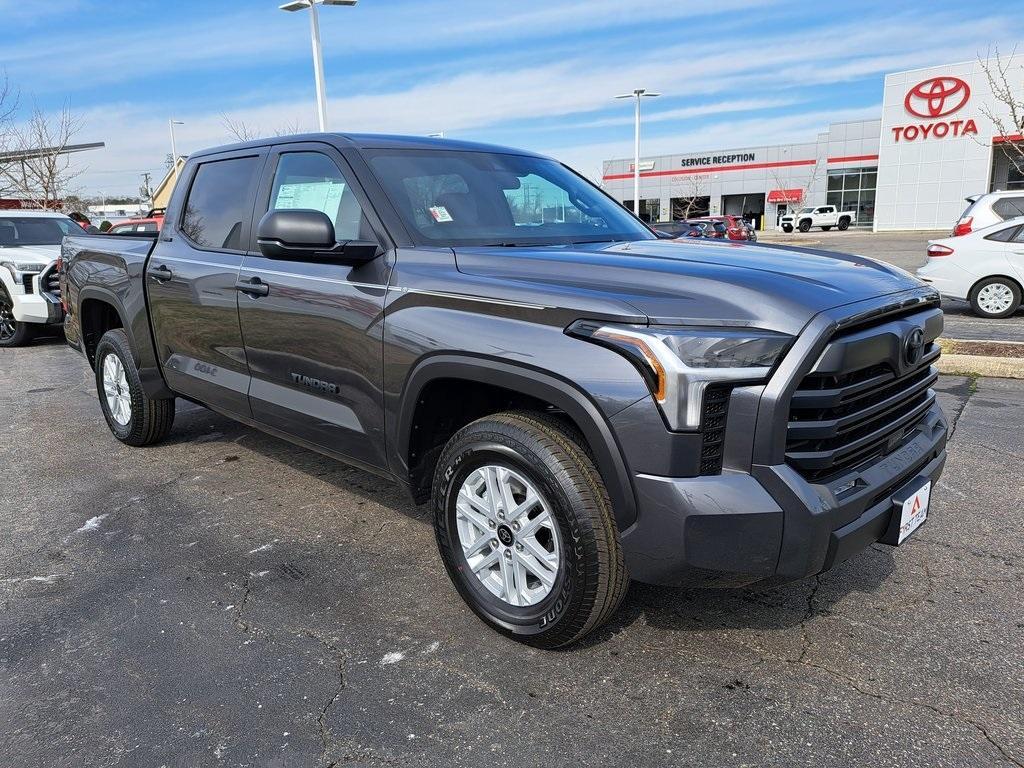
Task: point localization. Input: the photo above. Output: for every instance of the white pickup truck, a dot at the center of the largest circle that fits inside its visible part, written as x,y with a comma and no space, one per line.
824,216
29,283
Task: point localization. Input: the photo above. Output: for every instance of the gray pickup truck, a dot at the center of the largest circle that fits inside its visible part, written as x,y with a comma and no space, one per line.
583,402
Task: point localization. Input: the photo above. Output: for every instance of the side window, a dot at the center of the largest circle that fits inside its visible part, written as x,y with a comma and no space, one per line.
219,203
310,180
1009,207
1019,237
1003,235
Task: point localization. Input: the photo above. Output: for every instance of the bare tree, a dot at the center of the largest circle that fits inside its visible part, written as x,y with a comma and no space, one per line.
693,195
799,195
8,109
1006,81
44,173
242,131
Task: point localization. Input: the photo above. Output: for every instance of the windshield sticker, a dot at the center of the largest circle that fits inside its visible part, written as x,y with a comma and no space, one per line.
440,213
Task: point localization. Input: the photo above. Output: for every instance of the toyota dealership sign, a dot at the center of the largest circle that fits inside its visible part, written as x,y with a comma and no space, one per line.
932,101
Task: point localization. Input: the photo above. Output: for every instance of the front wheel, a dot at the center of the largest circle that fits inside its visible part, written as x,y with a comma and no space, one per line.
995,297
787,228
12,332
805,225
134,418
525,529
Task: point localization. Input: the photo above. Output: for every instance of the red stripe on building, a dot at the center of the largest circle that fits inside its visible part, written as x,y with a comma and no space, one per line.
1007,139
852,158
710,169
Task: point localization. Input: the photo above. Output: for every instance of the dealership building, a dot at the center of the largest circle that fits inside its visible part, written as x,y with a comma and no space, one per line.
911,168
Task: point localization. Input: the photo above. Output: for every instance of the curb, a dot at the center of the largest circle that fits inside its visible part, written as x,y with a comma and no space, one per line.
982,365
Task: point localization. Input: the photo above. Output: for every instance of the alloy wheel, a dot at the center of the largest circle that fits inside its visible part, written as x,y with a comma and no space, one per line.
115,389
8,326
508,535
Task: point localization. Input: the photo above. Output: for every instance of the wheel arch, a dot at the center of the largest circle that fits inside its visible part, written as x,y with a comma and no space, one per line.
539,386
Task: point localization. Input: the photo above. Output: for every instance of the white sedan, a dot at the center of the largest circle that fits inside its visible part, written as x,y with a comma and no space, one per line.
985,267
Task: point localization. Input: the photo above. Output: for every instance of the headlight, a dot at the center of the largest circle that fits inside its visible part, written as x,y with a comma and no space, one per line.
19,266
680,362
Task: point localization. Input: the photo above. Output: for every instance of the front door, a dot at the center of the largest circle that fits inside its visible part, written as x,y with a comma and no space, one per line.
191,280
314,341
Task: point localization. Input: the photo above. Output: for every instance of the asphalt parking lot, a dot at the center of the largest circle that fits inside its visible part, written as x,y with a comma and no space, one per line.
227,599
907,250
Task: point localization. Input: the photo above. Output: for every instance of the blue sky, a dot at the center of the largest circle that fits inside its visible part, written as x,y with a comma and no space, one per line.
531,73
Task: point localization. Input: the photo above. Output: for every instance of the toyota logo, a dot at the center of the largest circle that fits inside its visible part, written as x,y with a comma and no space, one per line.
913,347
937,97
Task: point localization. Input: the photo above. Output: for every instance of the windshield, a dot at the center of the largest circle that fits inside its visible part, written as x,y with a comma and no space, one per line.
806,210
30,230
452,198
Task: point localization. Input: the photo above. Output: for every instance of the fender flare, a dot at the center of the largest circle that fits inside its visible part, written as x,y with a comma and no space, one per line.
560,392
94,293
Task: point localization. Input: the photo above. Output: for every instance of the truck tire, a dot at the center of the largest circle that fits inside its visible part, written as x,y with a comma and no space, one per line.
805,225
844,224
787,228
12,332
133,418
550,573
995,297
826,229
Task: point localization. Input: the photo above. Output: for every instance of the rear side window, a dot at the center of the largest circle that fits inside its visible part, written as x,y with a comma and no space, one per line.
1009,207
220,203
1003,235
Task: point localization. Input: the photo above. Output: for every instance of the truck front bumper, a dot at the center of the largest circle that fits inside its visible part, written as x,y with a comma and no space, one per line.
39,308
771,525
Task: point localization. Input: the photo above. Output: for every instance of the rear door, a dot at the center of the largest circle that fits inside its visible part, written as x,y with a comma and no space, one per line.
314,341
191,279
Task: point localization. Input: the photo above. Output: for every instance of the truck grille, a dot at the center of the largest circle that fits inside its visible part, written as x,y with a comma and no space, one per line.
842,419
49,282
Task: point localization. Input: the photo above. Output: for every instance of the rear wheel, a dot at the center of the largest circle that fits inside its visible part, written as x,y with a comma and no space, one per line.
805,225
995,297
844,224
134,418
12,332
525,529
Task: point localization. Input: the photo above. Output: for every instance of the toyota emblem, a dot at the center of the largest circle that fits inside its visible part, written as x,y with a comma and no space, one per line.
913,347
937,97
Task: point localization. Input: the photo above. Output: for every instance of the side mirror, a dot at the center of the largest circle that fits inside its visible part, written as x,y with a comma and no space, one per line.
308,235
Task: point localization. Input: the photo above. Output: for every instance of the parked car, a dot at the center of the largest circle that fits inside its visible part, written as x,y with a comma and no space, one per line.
29,283
137,226
985,210
712,228
736,228
984,267
678,229
582,402
823,216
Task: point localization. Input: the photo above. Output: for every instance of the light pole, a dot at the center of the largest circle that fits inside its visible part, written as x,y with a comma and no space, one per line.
318,57
174,150
637,94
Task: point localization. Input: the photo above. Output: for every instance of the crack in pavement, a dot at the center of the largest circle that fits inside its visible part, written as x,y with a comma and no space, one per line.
808,616
321,721
860,688
237,617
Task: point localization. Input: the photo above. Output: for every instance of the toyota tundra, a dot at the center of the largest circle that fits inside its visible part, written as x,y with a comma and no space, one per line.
582,402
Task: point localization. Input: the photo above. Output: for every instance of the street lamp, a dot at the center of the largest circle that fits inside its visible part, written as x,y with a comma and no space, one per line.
174,150
318,57
637,94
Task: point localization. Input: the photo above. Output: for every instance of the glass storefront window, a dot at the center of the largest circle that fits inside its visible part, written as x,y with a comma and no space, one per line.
853,189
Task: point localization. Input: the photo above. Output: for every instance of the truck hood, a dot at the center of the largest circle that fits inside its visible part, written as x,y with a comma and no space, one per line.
680,281
42,254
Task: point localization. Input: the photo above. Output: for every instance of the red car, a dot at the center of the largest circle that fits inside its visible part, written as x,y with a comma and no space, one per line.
735,227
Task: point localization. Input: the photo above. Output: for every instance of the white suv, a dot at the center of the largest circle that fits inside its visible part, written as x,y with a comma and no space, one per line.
989,209
29,284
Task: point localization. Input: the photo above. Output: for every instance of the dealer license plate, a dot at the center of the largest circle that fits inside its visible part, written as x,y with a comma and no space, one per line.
914,512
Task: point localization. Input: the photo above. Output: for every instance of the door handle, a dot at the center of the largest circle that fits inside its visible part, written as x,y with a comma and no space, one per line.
254,287
161,274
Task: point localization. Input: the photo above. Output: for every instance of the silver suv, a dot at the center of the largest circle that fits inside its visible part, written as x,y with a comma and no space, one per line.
986,210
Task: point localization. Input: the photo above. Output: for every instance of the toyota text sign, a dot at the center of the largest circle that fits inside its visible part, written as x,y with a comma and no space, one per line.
930,100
